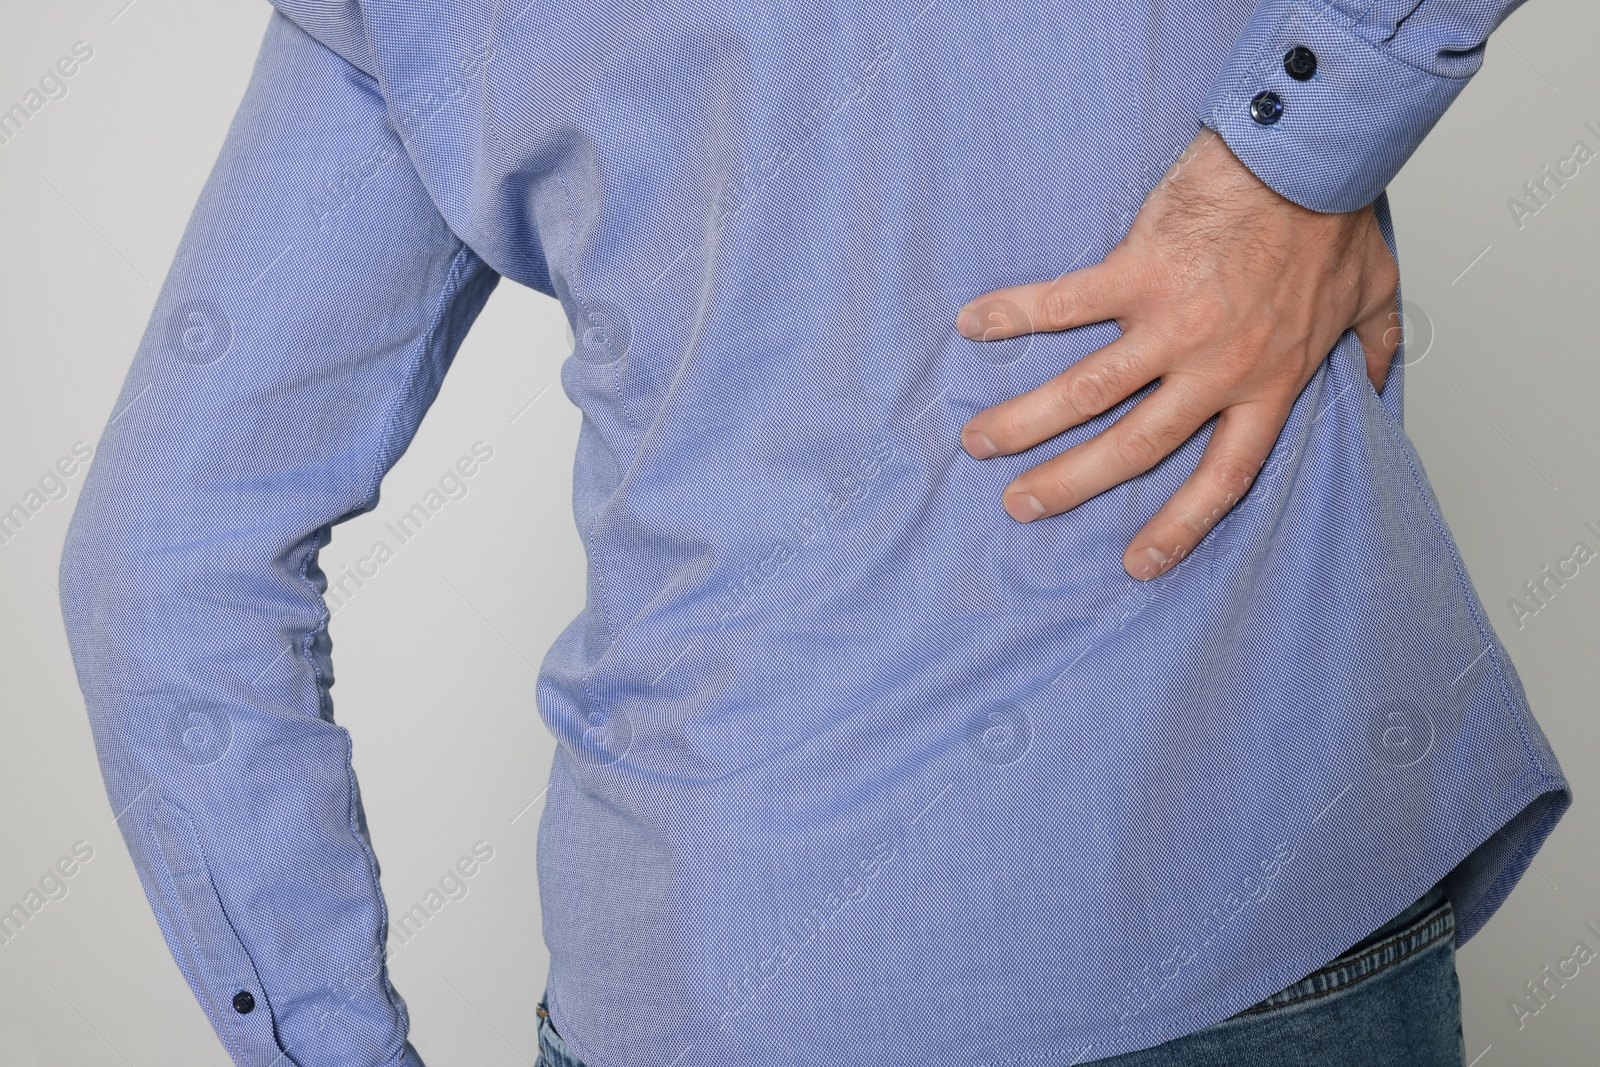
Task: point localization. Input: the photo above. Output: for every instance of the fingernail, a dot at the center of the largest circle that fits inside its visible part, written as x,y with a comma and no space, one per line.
978,445
1156,561
969,324
1023,507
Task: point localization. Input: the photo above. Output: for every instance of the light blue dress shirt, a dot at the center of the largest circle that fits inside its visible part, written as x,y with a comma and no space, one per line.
853,768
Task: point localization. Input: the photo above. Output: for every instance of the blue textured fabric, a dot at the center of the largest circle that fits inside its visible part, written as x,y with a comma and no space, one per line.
1386,71
1393,1001
837,736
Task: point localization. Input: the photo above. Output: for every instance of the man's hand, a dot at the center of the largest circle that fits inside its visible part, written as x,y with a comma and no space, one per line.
1228,293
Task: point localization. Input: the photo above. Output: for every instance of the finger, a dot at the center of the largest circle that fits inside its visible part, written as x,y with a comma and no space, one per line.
1094,384
1380,335
1091,294
1240,443
1139,440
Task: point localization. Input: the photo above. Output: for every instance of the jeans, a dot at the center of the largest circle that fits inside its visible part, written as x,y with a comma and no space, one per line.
1392,1000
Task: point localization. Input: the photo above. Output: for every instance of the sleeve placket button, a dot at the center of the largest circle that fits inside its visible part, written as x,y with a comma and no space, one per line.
243,1002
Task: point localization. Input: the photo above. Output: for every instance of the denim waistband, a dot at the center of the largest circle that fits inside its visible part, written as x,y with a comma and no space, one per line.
1423,904
1424,923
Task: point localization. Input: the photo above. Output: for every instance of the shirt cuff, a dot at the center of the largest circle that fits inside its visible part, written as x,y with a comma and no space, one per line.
1333,141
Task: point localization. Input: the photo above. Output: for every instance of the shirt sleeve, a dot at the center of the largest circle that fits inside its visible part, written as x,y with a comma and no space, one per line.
1325,101
314,304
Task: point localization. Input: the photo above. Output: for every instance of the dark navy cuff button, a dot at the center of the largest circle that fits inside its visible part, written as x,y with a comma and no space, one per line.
243,1002
1266,107
1300,62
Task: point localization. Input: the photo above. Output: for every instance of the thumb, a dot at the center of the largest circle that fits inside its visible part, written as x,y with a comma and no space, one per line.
1380,335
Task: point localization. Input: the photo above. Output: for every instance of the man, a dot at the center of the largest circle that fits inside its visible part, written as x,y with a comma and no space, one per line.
1019,630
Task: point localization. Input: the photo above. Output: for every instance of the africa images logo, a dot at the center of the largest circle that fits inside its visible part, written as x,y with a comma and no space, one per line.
999,736
199,332
199,733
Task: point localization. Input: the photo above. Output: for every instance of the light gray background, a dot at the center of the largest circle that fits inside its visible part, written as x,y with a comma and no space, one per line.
436,657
